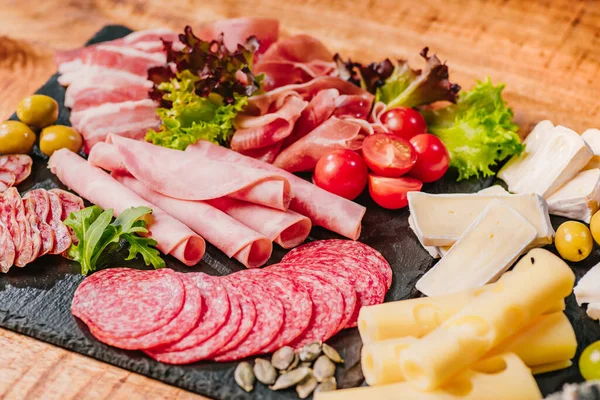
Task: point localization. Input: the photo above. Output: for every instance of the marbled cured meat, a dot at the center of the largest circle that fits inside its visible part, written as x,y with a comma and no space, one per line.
35,224
105,80
18,164
14,219
96,96
62,237
7,248
41,206
7,179
237,30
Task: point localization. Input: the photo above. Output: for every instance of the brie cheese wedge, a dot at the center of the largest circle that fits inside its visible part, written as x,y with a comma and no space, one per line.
579,198
592,138
553,155
440,219
432,250
587,290
484,252
495,190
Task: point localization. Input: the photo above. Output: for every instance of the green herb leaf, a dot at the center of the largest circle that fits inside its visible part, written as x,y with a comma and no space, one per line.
145,247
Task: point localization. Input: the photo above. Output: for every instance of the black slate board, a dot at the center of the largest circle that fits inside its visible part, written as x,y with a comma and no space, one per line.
36,300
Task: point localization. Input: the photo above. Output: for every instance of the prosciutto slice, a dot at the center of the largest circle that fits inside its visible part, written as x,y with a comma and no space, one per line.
323,208
237,30
100,188
224,232
96,96
334,133
320,108
106,79
184,176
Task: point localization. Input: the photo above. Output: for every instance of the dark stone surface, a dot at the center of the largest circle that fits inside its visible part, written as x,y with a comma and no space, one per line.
36,300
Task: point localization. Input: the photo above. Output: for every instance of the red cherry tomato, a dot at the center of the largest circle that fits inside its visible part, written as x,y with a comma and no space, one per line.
391,193
388,155
342,172
433,158
404,122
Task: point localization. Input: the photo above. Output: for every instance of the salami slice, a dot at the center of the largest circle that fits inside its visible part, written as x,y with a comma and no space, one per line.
9,221
125,302
216,312
21,229
216,342
62,237
173,331
34,223
7,179
7,249
41,206
269,318
18,164
70,202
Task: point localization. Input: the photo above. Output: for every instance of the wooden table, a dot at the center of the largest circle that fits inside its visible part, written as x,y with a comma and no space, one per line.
545,51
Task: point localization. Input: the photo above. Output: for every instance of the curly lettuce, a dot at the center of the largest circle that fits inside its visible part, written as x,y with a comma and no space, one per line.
478,130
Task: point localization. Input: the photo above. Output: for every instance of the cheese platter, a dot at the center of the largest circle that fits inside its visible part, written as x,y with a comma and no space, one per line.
478,236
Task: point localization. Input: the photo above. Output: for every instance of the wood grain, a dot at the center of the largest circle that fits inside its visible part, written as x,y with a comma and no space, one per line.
546,51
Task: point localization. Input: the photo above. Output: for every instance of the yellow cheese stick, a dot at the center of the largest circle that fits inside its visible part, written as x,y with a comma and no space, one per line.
548,339
550,367
503,377
483,324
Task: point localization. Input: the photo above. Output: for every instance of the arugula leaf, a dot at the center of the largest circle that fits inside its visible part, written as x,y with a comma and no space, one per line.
145,247
478,130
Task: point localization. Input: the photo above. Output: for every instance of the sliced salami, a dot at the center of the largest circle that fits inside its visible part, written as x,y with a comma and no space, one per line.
9,221
269,318
216,312
125,302
70,202
21,229
225,334
7,249
173,331
62,237
41,205
18,164
7,179
34,223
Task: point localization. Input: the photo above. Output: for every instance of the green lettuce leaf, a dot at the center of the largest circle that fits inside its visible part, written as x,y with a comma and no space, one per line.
478,130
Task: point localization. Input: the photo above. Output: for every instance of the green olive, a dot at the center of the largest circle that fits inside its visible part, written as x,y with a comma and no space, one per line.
58,137
38,111
16,138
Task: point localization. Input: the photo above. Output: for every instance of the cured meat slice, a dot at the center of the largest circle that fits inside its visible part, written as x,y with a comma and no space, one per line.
7,248
333,134
35,224
237,30
99,188
70,202
226,233
40,202
298,48
173,331
18,164
323,208
354,106
318,110
269,318
14,219
286,228
189,177
265,154
217,308
62,237
7,179
96,96
107,79
128,303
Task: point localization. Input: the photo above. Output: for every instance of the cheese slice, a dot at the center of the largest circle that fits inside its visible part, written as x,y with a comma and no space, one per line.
592,138
440,219
579,198
593,310
553,155
432,250
485,323
551,367
588,287
493,190
484,252
500,377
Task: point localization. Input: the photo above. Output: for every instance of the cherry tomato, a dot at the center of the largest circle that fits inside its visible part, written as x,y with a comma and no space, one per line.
404,122
388,155
432,158
391,193
342,172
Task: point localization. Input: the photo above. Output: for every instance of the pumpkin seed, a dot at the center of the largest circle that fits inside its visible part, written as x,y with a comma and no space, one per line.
324,368
292,366
244,376
283,357
332,354
327,386
264,371
310,352
306,387
291,378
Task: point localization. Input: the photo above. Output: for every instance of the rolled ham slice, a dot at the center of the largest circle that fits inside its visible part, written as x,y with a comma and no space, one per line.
224,232
185,176
100,188
323,208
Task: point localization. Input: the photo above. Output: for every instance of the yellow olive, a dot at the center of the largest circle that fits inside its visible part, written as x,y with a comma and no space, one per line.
573,241
38,111
57,137
16,138
595,227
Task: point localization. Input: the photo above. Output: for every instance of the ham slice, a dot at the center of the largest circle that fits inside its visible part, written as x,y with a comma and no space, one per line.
237,30
286,228
224,232
184,176
334,133
100,188
323,208
96,96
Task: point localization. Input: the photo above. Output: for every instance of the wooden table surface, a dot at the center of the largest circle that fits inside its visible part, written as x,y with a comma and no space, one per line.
546,51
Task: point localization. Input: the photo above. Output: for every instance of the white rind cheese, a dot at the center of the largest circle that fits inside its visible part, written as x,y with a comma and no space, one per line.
432,250
592,138
553,155
484,252
493,190
578,198
588,291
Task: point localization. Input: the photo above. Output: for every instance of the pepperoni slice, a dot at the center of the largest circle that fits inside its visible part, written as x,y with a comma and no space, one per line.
18,164
41,205
62,237
7,179
7,249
